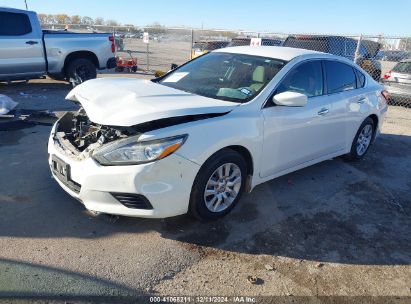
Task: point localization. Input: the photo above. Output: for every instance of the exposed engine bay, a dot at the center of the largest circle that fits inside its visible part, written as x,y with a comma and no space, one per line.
80,136
77,136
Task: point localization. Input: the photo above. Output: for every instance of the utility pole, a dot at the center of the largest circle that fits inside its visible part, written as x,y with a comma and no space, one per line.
357,51
25,2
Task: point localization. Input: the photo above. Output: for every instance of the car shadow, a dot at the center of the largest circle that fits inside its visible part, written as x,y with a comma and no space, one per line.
44,283
335,211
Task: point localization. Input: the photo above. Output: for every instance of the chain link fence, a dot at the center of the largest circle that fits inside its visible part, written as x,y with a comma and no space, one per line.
386,59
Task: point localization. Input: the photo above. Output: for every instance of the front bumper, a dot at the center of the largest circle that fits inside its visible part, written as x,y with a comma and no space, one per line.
166,184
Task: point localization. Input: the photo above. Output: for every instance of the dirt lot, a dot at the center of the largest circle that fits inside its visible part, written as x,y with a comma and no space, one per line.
336,228
161,54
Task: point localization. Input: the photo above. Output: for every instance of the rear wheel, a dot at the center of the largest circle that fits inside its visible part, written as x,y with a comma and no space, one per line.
218,185
362,140
80,70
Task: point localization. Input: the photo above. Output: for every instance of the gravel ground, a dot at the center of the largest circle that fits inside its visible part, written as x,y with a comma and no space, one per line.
336,228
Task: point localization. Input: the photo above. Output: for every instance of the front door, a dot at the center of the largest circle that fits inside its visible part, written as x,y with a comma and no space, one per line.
296,135
21,51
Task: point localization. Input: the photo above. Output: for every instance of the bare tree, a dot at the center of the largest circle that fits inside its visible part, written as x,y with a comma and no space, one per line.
43,18
87,20
51,19
76,19
99,21
156,28
112,23
62,19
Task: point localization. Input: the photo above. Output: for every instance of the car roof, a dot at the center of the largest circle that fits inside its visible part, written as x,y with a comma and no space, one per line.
14,10
277,52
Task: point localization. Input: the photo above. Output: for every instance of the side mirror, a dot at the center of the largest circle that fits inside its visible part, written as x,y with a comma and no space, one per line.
290,99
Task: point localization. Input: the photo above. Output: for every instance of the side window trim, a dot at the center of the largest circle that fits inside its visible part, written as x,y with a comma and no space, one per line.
325,86
267,103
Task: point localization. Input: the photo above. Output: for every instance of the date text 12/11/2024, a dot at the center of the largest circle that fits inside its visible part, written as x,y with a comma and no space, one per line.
202,299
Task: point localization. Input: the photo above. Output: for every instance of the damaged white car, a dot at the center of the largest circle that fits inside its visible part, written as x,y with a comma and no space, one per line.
197,138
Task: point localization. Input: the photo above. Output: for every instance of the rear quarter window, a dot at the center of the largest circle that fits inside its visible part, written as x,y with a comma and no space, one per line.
340,77
360,79
14,24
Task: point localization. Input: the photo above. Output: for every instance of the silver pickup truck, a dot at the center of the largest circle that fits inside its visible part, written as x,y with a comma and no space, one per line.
28,52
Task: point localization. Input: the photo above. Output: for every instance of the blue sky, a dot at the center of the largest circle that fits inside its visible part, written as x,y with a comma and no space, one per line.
309,16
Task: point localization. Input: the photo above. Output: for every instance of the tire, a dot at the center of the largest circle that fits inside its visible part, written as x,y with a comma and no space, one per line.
80,70
134,69
209,174
356,153
119,69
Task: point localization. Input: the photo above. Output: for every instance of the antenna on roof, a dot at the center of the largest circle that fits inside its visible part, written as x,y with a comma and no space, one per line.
25,2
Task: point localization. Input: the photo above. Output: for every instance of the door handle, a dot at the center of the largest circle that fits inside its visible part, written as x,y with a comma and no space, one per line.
31,42
361,100
323,112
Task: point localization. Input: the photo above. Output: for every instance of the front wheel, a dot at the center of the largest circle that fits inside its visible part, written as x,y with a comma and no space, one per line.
362,140
218,185
80,70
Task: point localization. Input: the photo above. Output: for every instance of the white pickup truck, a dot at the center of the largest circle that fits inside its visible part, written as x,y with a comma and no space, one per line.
28,52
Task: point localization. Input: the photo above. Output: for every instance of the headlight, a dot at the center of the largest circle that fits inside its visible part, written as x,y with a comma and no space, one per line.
132,152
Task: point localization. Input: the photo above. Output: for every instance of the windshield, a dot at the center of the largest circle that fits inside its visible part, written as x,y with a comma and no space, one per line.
230,77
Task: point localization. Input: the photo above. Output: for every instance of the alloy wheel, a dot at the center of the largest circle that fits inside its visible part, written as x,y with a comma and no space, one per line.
222,187
364,139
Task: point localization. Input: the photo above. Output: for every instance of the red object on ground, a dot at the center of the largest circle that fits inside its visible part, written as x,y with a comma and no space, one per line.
129,64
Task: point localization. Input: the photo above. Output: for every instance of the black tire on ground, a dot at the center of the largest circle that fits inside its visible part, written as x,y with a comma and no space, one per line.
80,70
197,206
134,69
354,155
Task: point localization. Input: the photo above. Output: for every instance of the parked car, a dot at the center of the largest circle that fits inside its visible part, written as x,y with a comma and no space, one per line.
203,46
398,82
244,41
27,52
393,55
341,46
195,139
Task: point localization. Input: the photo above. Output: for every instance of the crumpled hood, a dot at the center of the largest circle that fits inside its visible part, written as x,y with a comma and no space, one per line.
126,102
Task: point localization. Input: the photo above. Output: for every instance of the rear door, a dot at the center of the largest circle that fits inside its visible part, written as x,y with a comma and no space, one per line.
21,48
348,98
296,135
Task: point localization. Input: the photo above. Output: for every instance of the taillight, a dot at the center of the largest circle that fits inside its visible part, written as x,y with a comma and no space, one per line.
385,94
387,75
113,43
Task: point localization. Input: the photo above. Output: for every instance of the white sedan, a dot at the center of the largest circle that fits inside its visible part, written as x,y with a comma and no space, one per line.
197,138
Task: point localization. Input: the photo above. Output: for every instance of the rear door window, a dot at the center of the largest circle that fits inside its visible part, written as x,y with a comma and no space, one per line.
14,24
340,77
306,78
